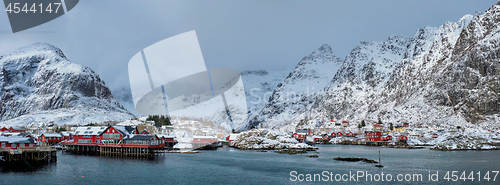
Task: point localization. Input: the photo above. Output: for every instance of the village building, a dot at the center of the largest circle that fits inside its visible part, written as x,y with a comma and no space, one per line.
398,129
50,139
345,123
67,135
204,142
144,141
88,135
16,129
169,140
15,143
114,135
373,136
337,126
378,128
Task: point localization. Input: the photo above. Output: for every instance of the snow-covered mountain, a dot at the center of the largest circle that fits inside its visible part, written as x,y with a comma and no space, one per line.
38,83
259,85
294,95
123,95
446,75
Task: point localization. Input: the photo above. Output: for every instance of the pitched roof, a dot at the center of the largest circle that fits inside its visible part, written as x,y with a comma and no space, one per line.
124,130
52,135
206,137
90,130
66,133
164,136
141,137
14,139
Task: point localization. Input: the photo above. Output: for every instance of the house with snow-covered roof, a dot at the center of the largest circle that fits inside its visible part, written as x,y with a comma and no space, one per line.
88,135
14,143
114,134
51,139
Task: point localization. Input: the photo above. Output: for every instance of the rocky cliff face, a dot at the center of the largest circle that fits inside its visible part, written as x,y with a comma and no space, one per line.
471,83
294,95
38,82
446,75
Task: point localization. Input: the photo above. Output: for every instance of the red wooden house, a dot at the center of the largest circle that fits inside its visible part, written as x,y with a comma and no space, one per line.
322,140
88,135
143,141
169,141
15,143
144,132
16,129
387,138
4,129
299,136
50,138
114,135
373,136
406,125
204,139
204,142
67,135
345,123
402,138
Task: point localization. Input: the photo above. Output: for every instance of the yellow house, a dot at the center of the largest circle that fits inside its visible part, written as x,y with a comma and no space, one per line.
398,129
378,128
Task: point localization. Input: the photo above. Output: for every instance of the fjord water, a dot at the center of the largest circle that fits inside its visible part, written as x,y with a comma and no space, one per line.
233,166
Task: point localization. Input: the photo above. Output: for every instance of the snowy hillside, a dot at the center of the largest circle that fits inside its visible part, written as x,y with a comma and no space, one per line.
446,75
38,83
259,85
294,95
123,96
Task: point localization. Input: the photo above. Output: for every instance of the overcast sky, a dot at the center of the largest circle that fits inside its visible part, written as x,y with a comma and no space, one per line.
238,34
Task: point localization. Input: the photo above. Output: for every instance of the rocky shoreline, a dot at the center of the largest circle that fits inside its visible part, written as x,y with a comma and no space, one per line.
261,139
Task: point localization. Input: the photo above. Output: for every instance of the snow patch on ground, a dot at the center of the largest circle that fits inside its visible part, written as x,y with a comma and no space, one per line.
262,139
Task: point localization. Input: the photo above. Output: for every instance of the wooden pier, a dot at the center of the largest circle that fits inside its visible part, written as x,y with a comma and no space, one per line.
128,152
113,151
31,157
82,149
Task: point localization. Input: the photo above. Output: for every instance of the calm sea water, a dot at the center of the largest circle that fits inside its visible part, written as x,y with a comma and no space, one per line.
232,166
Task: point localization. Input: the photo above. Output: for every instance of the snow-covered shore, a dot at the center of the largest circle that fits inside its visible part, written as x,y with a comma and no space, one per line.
466,141
261,139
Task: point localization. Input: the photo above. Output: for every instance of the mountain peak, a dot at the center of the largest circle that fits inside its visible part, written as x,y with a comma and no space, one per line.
325,48
38,83
40,46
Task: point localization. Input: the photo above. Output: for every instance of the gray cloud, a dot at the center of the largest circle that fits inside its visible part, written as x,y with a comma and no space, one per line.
104,35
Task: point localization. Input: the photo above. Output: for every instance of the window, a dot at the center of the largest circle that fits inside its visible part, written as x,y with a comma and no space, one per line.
85,141
88,128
